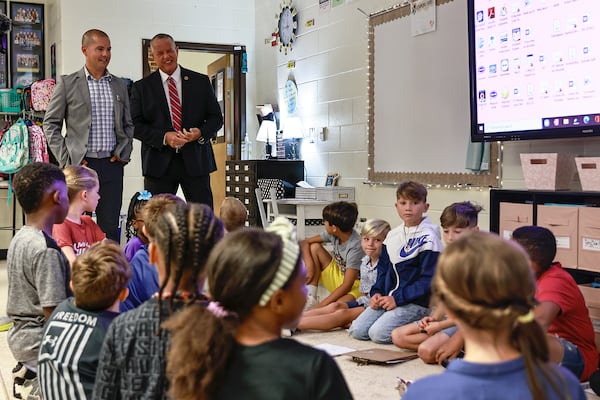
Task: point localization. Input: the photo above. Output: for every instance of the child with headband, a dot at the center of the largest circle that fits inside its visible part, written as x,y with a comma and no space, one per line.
487,287
232,348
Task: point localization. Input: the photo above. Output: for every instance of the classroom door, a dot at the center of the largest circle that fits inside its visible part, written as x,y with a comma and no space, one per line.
220,76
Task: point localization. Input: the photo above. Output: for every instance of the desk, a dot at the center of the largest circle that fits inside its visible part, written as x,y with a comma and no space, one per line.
301,211
241,178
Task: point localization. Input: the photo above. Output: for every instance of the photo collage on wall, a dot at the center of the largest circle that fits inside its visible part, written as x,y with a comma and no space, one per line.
27,43
3,52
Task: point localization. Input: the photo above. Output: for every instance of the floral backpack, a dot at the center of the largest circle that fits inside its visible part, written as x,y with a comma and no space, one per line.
38,149
41,92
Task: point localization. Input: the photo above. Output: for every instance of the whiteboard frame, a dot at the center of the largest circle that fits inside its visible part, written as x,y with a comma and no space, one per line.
489,178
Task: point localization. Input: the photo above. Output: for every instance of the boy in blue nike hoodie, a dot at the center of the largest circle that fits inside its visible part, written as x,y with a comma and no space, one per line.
406,266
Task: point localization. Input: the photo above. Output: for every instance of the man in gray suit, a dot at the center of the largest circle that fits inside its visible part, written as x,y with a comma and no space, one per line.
99,132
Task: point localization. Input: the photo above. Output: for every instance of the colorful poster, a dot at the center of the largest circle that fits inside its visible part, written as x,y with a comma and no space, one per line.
422,16
335,3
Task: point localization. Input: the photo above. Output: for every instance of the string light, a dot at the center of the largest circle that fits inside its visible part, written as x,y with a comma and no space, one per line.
455,186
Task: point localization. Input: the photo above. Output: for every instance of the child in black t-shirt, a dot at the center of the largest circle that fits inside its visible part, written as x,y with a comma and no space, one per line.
74,333
231,347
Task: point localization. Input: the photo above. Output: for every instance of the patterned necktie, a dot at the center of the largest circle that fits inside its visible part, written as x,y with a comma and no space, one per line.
175,104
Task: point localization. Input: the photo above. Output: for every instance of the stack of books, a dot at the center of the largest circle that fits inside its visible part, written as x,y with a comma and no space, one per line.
306,193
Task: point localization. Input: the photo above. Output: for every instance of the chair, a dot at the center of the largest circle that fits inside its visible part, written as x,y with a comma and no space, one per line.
260,200
261,207
274,206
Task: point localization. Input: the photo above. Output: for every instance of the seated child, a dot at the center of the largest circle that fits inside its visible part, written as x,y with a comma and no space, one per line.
339,273
78,231
134,228
38,271
431,332
233,213
341,314
144,279
133,357
232,349
486,286
561,311
74,333
401,293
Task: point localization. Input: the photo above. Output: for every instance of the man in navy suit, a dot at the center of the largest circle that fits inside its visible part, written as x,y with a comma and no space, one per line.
175,152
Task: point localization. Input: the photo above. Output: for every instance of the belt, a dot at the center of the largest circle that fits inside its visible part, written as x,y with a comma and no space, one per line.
98,154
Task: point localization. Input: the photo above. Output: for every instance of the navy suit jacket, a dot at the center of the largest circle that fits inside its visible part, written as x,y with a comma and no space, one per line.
152,119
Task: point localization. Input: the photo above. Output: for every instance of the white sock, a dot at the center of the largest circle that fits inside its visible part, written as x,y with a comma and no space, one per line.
312,290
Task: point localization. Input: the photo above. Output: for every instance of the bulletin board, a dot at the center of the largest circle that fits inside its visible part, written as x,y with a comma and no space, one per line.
419,125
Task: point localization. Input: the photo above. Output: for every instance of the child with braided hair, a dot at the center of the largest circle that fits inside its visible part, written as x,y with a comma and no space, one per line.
132,359
134,227
487,287
144,279
232,348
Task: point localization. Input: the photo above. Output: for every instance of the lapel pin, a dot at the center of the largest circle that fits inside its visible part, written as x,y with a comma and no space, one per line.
185,78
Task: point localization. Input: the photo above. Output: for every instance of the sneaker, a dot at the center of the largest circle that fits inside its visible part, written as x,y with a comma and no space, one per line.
25,383
287,332
5,324
311,302
594,382
33,387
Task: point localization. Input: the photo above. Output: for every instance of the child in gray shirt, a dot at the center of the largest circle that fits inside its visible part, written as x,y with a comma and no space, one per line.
38,271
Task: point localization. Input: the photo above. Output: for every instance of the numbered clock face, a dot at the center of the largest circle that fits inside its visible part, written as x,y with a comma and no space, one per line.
286,26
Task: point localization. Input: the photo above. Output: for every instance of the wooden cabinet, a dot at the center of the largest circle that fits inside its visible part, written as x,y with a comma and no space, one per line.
241,179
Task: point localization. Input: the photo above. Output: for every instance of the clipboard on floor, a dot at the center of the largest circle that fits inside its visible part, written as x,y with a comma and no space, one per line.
381,356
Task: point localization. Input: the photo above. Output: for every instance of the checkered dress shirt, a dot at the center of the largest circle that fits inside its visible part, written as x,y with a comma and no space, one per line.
102,132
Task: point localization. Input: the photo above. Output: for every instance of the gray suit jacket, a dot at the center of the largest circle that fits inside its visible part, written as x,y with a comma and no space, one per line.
71,102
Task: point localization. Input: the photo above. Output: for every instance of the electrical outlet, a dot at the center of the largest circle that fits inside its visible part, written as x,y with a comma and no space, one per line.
321,132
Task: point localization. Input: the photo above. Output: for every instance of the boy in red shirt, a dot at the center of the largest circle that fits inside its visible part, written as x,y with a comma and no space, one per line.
561,311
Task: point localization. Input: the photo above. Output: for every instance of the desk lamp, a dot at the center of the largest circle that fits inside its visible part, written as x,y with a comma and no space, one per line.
267,131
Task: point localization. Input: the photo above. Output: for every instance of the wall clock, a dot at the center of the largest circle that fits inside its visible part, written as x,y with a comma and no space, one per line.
287,26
